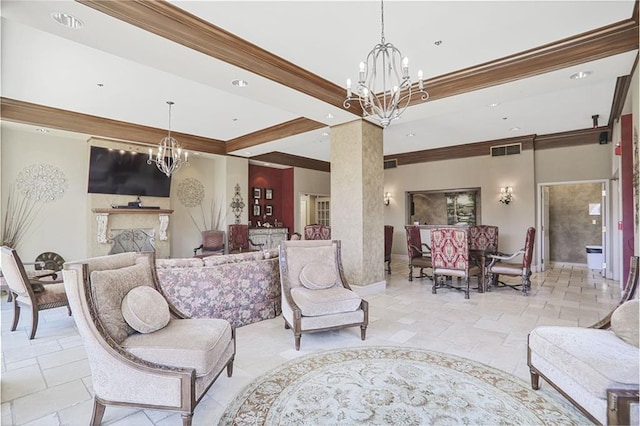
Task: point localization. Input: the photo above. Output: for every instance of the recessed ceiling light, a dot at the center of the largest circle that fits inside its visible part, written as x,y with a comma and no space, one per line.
240,83
328,115
410,134
325,133
42,130
493,104
67,20
580,75
247,153
514,129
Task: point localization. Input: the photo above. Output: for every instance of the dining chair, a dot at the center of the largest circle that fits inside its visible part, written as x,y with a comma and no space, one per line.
419,253
29,293
501,265
317,232
212,244
450,254
388,244
239,240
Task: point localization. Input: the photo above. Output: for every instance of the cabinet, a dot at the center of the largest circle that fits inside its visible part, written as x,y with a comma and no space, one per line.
270,237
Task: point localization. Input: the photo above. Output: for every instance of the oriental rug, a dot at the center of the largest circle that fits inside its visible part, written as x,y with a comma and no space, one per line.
392,386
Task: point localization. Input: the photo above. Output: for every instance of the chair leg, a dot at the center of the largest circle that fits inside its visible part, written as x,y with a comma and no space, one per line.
410,272
434,289
34,322
69,309
230,368
298,336
9,296
535,380
98,412
363,332
186,419
466,291
286,325
16,314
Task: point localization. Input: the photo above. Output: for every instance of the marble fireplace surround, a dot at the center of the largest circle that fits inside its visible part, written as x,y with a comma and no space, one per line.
110,222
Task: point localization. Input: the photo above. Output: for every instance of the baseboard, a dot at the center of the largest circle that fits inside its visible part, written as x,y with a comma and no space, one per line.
373,288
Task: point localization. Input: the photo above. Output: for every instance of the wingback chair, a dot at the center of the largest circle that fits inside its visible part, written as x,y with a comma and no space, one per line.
239,239
419,253
212,244
30,293
388,244
450,252
500,265
316,295
141,350
317,232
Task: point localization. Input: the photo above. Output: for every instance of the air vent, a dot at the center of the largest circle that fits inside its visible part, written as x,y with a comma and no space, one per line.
498,151
391,164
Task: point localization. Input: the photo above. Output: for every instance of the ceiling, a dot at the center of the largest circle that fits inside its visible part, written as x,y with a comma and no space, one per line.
296,57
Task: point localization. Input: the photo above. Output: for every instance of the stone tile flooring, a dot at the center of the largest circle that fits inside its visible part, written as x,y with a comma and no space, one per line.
47,381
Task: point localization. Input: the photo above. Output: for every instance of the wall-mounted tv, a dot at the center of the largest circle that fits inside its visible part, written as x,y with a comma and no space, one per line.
113,171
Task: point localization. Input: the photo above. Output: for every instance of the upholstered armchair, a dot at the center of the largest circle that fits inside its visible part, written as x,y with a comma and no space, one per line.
317,232
212,244
419,253
501,264
450,253
141,350
239,239
33,293
315,294
388,244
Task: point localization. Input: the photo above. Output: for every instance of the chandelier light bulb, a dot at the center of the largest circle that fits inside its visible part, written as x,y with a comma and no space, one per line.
168,158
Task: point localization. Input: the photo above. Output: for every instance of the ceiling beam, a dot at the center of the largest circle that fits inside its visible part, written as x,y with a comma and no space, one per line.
294,161
40,115
279,131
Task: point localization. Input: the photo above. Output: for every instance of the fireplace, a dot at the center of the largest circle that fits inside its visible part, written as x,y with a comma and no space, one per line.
125,230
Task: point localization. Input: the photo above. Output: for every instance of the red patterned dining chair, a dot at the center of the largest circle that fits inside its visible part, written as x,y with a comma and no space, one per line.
419,253
239,239
483,237
212,244
317,232
388,244
501,265
450,257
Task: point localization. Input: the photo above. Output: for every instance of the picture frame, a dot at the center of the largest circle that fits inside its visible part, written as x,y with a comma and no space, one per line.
268,194
256,210
268,210
257,192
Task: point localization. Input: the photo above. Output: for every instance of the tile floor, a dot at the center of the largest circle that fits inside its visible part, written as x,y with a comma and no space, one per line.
47,381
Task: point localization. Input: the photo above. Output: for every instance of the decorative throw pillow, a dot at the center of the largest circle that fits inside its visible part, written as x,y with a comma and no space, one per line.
624,322
145,310
318,276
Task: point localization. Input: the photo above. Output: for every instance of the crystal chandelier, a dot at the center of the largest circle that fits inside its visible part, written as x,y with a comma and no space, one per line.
384,88
169,156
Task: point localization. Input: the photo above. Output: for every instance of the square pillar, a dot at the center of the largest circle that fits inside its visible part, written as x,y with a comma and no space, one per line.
357,215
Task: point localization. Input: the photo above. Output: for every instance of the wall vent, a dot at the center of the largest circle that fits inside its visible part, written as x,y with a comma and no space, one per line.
498,151
391,164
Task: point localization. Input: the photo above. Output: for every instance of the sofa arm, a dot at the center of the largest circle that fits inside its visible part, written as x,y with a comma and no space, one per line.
620,402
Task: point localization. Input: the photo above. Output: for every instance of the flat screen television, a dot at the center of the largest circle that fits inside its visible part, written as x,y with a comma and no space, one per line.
112,171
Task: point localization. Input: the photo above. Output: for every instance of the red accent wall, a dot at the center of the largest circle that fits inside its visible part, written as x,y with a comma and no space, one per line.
628,238
280,181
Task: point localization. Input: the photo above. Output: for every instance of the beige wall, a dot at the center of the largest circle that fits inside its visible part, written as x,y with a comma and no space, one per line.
488,173
61,226
582,162
67,226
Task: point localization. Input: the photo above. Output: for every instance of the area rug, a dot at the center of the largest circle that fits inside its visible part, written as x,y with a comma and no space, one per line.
392,386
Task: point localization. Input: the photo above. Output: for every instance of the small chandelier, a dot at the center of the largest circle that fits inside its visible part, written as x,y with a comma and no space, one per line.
169,156
384,88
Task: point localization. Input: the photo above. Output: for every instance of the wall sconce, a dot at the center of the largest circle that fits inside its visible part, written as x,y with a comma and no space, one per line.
506,194
387,198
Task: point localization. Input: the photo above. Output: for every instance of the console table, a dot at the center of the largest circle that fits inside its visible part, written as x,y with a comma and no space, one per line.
270,237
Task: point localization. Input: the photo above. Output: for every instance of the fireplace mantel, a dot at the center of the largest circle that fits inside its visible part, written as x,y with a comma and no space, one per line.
133,211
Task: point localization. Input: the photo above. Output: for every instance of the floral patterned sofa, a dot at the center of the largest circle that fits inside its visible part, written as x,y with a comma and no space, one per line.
240,288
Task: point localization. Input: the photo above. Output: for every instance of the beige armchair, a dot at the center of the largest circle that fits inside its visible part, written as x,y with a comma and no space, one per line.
315,293
29,292
138,361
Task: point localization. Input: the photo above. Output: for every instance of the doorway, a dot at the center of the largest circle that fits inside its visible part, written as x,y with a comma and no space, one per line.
573,219
314,209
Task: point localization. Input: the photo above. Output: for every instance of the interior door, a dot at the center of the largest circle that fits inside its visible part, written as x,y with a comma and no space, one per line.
545,229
